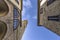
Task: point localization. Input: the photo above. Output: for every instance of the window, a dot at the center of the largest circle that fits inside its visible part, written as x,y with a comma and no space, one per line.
15,23
41,10
15,17
15,14
49,2
54,18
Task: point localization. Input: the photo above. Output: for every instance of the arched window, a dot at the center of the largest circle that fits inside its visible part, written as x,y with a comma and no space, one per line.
16,13
15,23
15,17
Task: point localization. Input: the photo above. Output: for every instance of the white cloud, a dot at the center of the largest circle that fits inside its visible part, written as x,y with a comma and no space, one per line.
35,17
26,5
23,11
28,16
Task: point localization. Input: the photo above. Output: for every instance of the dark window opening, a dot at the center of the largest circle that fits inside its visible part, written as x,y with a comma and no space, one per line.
54,18
50,2
41,10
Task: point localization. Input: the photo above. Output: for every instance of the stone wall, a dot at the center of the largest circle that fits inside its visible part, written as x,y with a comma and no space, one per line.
51,10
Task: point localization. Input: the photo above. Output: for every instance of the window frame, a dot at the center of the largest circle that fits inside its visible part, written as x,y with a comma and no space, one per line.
50,2
16,23
15,13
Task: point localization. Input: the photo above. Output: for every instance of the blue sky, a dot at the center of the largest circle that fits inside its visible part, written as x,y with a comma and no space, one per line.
34,32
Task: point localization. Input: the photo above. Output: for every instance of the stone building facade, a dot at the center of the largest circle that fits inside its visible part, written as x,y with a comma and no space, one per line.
49,15
11,25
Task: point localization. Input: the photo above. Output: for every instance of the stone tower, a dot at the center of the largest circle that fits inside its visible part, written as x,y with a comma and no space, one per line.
6,19
11,25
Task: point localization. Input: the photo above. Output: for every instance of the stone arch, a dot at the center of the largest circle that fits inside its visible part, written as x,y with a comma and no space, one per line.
4,9
3,29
